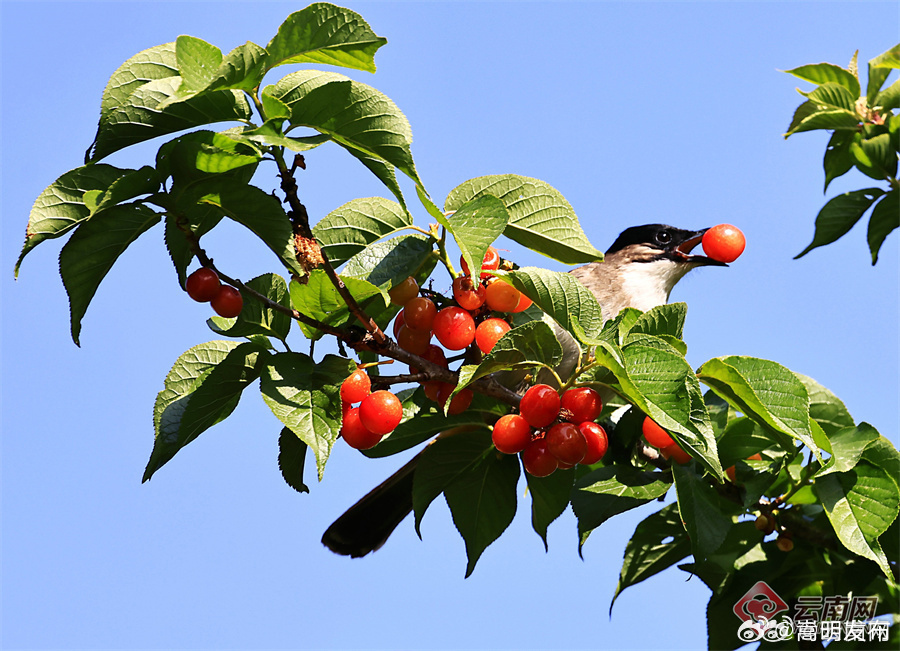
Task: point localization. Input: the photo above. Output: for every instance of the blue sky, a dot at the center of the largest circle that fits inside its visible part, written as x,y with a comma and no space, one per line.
636,112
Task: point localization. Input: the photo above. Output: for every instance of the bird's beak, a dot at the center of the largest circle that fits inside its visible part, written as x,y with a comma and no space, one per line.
681,251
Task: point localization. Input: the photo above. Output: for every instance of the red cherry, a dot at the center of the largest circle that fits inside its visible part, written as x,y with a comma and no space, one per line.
203,285
537,459
356,387
469,295
489,332
584,403
404,291
511,434
597,442
490,263
381,412
228,302
523,304
398,323
419,313
454,327
355,433
656,435
435,355
540,405
433,388
501,296
724,243
460,401
413,341
675,453
566,442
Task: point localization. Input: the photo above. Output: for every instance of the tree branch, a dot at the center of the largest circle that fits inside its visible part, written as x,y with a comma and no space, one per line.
300,219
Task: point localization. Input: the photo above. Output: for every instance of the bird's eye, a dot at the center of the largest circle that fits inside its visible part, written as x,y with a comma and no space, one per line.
664,237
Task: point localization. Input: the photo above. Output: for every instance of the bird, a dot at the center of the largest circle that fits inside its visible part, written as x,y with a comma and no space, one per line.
638,270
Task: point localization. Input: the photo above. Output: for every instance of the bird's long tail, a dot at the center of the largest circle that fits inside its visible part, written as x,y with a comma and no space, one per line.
367,525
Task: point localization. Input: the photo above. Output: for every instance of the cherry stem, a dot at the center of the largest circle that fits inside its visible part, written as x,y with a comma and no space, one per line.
431,371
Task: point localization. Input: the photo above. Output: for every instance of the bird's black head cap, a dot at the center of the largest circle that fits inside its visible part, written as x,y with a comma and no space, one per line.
671,242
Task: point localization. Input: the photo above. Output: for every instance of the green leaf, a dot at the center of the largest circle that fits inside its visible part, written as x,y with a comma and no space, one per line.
387,263
346,231
847,448
319,299
718,570
861,504
306,398
197,61
667,319
198,154
202,389
549,498
256,318
540,218
659,541
831,95
882,453
140,118
825,407
445,461
423,419
476,225
529,345
199,219
158,62
839,215
889,98
765,391
354,115
561,296
269,133
829,119
823,73
261,213
291,459
483,500
837,160
129,186
60,207
701,510
324,33
884,220
879,69
241,69
875,157
657,379
744,437
611,490
93,249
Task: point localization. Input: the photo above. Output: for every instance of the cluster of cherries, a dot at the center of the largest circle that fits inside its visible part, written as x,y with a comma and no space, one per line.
378,413
204,286
553,431
456,327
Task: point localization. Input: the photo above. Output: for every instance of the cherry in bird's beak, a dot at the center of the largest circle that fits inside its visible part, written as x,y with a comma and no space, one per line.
681,251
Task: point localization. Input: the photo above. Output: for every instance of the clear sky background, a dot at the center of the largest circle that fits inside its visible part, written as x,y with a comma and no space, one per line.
637,112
